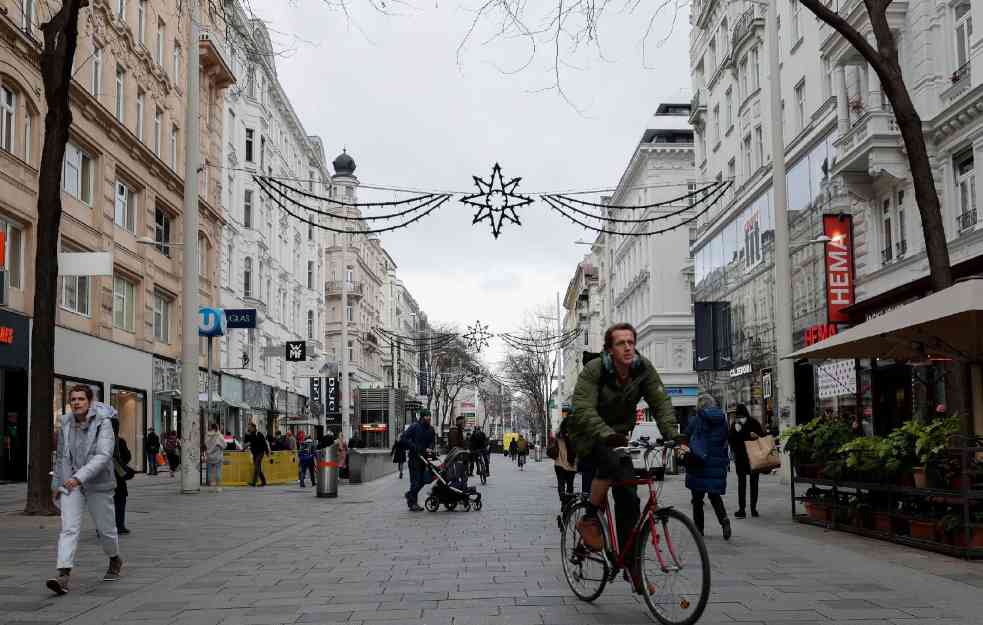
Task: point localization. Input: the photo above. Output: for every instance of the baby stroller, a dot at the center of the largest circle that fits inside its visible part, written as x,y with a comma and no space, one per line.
451,487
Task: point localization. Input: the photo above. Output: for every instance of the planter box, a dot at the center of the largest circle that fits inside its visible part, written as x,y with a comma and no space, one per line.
959,539
923,530
819,512
920,477
882,522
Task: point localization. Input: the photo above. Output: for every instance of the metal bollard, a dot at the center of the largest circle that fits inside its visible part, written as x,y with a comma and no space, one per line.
327,471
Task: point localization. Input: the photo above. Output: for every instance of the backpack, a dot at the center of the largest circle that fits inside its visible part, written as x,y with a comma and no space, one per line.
553,451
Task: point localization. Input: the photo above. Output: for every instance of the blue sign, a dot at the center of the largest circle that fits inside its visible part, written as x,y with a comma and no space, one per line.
240,318
211,322
682,391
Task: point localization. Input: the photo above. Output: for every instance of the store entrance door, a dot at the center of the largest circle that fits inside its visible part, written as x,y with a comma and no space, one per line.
13,410
892,398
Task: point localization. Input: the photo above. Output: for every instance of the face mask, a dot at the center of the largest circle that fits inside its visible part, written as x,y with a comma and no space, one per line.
742,420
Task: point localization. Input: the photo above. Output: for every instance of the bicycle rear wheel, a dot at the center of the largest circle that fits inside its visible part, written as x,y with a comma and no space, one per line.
675,567
586,571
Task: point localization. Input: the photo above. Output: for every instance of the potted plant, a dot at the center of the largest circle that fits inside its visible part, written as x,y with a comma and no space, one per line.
864,458
954,530
900,456
817,504
930,447
797,441
862,513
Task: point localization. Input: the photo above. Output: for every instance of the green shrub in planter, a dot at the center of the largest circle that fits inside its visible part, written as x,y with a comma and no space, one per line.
865,458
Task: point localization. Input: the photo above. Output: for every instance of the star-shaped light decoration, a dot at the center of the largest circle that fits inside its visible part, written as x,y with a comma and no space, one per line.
497,200
477,337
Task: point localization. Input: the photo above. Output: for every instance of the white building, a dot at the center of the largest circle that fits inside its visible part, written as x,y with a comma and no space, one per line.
844,155
583,310
271,261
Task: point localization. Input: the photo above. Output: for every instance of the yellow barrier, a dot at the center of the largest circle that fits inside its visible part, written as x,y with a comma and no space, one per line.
280,467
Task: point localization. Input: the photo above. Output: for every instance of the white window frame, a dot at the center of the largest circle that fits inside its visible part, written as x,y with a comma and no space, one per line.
121,9
759,147
159,49
14,261
887,231
796,27
8,119
247,277
142,22
162,317
174,131
901,243
120,93
162,243
141,112
755,65
963,30
310,274
77,173
800,104
29,13
202,256
728,109
176,60
125,204
250,146
965,170
124,304
247,209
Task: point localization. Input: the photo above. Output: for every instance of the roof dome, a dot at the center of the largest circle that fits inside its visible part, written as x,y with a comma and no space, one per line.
344,165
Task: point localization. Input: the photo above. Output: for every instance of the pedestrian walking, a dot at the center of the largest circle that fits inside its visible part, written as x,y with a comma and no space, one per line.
214,455
513,449
151,447
418,439
399,456
307,457
258,447
707,461
83,477
564,462
455,437
745,428
290,443
343,455
172,449
123,472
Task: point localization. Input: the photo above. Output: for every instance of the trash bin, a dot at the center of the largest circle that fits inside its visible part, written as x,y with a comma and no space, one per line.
327,471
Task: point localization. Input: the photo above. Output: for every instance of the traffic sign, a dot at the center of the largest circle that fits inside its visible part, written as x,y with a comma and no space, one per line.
240,318
211,322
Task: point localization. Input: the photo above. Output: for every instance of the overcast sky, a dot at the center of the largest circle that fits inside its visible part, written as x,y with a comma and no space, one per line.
390,89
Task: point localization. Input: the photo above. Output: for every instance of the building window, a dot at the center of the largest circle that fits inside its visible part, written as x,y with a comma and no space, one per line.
202,256
251,83
14,254
77,174
141,98
349,313
159,51
351,352
75,294
247,208
142,22
966,185
162,231
174,147
748,163
901,247
249,145
97,71
887,253
310,231
124,294
247,277
232,127
8,117
759,147
794,11
162,317
262,153
176,59
157,131
120,92
755,68
126,205
716,125
745,86
728,110
30,11
964,34
121,9
800,104
310,324
310,274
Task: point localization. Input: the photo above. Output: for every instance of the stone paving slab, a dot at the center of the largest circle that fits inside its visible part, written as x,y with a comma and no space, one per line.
278,555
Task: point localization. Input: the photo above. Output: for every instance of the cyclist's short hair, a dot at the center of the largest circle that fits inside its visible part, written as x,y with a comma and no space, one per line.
609,333
85,389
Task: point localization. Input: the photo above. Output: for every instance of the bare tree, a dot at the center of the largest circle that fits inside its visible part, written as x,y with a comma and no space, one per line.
57,55
528,373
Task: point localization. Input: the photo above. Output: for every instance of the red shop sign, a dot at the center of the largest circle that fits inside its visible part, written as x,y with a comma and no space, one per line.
817,333
840,279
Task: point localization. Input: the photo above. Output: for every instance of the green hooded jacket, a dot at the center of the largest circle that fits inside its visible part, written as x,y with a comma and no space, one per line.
601,407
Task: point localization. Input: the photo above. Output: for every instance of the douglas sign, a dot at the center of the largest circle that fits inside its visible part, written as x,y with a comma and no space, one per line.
839,266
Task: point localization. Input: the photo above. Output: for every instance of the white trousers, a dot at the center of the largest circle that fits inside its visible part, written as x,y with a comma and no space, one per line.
103,513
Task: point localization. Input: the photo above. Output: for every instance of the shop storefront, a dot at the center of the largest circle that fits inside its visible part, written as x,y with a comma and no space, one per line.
15,349
257,396
120,376
166,395
683,403
236,411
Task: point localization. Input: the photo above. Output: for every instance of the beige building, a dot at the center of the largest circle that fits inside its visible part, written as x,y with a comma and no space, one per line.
122,192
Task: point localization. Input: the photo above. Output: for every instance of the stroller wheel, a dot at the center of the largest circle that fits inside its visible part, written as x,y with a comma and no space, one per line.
467,506
451,505
432,504
476,504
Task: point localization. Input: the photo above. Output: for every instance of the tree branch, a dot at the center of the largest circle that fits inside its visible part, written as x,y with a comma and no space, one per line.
840,25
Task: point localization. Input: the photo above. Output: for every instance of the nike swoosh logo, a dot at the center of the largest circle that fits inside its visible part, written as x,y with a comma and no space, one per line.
702,358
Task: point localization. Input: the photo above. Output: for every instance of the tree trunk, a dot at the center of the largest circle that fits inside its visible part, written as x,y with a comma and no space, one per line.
60,40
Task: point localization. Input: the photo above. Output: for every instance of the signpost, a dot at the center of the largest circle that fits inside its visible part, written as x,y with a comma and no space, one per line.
211,323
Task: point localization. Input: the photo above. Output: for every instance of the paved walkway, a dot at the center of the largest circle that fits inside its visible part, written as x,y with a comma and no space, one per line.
278,555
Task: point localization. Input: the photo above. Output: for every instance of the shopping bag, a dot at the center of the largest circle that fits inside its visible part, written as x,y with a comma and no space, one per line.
763,454
160,459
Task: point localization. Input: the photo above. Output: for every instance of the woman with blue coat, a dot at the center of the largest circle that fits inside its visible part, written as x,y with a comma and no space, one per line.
708,461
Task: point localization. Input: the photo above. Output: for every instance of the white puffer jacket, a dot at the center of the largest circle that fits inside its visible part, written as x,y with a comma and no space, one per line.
97,472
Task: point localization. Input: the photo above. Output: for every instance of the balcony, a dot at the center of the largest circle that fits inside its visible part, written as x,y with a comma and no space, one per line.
901,248
337,287
751,19
872,145
962,81
967,220
213,55
887,255
697,108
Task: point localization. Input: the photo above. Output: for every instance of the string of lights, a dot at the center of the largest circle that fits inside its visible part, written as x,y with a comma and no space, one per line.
279,182
557,204
669,215
403,213
434,203
710,188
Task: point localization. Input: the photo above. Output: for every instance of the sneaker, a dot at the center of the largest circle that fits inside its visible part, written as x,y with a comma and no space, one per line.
726,527
591,533
113,572
740,514
124,530
754,513
415,508
58,585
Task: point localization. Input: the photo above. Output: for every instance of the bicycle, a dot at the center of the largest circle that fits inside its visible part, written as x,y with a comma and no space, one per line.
481,466
673,560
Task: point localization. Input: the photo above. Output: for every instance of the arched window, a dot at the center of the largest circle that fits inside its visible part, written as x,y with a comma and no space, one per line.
310,324
247,278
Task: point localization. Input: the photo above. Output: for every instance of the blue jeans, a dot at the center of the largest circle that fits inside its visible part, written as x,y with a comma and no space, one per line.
214,475
418,476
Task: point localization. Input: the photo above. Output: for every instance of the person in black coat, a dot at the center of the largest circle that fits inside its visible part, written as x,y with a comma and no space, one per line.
151,446
122,458
399,456
745,428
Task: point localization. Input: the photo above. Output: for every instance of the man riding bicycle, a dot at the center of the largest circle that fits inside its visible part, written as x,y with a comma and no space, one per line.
479,447
604,403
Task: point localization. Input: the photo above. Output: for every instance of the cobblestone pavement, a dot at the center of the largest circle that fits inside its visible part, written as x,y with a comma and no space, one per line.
279,555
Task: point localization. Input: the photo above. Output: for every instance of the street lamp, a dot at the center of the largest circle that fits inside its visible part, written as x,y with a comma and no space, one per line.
820,240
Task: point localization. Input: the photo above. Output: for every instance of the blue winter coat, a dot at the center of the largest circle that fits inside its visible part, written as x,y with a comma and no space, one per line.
707,432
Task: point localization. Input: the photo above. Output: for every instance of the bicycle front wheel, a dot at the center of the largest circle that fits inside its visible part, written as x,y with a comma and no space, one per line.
586,571
675,568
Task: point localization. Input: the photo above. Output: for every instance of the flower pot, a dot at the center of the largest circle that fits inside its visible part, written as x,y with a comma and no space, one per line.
959,539
905,480
920,477
923,530
882,522
819,512
956,482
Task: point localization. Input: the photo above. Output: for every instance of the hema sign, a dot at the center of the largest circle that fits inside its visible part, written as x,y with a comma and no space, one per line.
839,266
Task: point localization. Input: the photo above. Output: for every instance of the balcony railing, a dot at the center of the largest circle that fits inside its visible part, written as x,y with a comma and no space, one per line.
887,255
967,220
962,82
745,25
901,247
335,287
